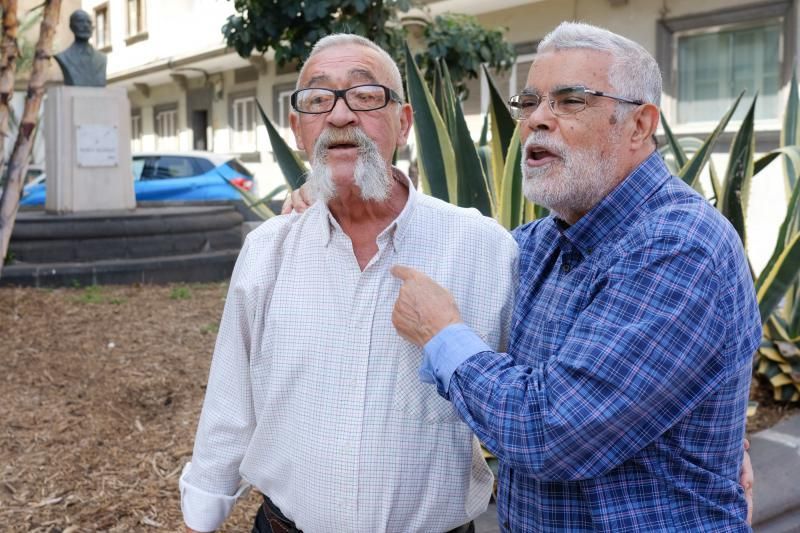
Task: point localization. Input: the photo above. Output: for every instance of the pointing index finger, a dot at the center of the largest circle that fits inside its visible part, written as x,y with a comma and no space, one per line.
403,273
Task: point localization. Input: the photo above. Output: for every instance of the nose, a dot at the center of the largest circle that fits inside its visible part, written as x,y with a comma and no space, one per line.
341,115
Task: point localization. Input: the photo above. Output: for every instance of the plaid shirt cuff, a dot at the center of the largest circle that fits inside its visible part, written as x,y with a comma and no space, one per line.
445,352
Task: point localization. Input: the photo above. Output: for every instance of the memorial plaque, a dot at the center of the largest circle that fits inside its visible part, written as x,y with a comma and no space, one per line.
97,145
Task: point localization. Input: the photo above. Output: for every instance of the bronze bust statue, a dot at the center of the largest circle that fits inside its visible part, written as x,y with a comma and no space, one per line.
81,64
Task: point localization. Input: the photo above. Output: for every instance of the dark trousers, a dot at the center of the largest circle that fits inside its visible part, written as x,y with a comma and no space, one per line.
270,519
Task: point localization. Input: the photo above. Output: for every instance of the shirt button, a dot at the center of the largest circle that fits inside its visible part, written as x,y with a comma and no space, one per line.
566,268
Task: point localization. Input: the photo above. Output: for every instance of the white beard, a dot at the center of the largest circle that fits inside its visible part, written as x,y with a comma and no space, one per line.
570,185
369,175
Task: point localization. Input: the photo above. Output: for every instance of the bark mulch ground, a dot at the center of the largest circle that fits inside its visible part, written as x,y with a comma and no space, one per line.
100,393
100,390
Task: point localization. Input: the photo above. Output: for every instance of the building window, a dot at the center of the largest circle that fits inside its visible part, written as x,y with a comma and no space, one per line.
281,107
713,68
707,59
102,30
136,18
282,98
136,131
165,119
243,123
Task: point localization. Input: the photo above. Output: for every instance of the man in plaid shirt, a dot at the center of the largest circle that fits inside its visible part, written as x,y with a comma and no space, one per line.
620,405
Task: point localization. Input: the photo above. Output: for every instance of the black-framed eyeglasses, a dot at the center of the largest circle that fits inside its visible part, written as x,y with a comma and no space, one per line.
369,97
564,101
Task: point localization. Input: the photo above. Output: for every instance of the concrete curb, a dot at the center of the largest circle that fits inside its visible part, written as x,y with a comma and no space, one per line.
775,453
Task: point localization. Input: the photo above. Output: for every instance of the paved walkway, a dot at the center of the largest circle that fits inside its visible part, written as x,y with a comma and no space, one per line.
776,463
775,453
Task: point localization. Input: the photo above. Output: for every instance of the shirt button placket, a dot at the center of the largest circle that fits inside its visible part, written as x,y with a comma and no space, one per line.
363,308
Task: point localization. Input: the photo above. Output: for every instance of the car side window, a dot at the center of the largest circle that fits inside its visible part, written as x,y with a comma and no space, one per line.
240,168
201,166
148,168
173,167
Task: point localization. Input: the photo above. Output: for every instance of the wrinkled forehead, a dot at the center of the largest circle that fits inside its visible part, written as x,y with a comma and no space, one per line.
353,76
344,67
553,70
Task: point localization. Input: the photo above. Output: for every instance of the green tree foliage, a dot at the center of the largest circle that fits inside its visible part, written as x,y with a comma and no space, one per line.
461,43
291,27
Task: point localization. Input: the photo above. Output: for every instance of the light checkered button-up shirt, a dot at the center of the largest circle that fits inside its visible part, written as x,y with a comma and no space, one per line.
314,398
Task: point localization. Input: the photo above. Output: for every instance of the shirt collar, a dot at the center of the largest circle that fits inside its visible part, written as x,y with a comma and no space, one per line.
398,227
612,210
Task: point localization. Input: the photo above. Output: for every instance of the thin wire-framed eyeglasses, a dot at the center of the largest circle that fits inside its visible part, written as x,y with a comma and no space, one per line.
368,97
564,101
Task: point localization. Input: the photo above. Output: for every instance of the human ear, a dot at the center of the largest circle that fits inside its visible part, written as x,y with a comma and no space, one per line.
294,123
645,124
406,119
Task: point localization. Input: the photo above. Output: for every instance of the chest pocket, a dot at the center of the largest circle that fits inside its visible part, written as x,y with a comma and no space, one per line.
414,399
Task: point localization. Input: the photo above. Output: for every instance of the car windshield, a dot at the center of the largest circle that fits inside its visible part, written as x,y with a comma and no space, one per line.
137,166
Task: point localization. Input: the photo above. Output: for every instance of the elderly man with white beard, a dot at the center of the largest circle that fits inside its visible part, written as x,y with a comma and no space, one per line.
312,396
620,403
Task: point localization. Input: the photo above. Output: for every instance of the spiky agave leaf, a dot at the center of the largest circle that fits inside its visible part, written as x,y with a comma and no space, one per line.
472,189
293,169
691,171
437,165
736,187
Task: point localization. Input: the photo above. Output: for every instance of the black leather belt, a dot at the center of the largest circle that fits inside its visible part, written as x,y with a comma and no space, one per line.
278,522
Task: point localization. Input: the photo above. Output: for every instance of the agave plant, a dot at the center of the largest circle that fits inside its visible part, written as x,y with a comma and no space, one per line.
452,168
778,285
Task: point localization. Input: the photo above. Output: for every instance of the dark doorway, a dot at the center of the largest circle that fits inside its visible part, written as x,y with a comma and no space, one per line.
199,116
200,129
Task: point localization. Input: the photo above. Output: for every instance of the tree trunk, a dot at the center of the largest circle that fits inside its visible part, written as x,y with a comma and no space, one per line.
18,162
8,69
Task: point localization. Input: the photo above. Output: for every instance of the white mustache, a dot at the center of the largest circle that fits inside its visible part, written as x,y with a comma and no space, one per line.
351,135
541,139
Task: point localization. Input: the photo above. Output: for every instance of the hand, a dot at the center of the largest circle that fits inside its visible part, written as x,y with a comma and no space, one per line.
423,307
298,200
746,481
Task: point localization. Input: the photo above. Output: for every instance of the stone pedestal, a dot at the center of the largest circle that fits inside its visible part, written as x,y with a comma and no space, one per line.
88,154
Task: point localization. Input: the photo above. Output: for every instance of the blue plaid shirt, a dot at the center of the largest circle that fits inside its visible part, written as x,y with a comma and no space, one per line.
621,403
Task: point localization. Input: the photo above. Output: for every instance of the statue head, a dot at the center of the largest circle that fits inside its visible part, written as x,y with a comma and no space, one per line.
81,25
79,67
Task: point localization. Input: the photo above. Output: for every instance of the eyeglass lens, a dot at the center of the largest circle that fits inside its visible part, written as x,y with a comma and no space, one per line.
359,98
562,102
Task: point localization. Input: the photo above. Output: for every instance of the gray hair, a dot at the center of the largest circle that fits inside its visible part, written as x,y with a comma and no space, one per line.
342,39
634,73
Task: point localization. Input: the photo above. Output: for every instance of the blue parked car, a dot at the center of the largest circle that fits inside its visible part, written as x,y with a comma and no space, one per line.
175,177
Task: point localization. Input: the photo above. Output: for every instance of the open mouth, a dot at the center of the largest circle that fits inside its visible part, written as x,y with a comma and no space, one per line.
342,146
538,155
